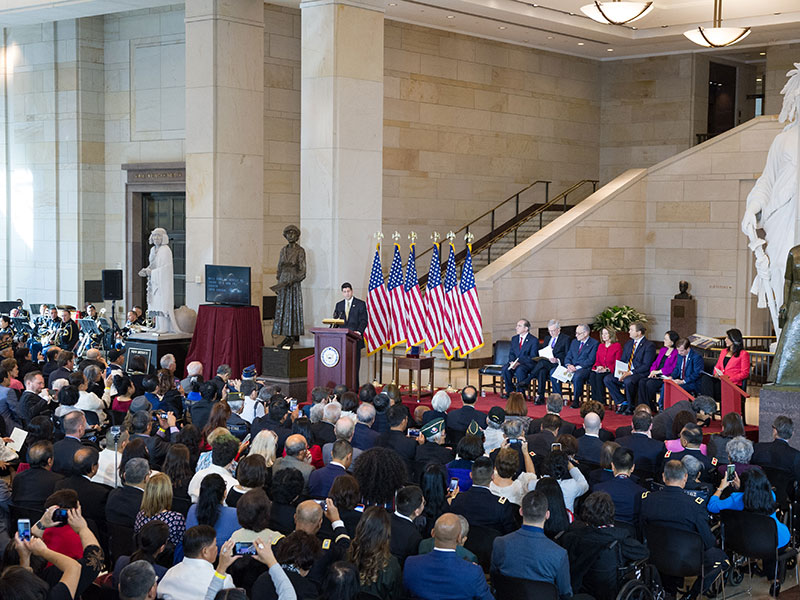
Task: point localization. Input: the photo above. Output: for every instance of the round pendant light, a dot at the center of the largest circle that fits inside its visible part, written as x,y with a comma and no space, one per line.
616,12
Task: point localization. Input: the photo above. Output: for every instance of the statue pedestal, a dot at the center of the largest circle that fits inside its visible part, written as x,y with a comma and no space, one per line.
683,316
155,345
285,368
772,402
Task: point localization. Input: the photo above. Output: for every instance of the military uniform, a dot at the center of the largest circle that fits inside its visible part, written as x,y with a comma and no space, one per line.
482,508
334,547
709,473
671,507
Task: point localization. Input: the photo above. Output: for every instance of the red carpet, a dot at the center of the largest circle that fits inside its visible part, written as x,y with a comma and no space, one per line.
611,420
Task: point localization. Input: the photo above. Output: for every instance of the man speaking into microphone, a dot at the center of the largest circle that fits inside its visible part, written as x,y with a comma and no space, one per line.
354,313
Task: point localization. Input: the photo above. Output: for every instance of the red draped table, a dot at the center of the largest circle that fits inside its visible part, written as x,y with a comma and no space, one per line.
228,335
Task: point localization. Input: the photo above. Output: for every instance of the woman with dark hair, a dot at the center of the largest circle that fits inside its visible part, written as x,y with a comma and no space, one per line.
683,418
664,364
560,517
569,477
341,582
569,444
296,554
346,495
516,410
434,483
218,418
733,361
378,571
468,449
287,487
189,436
178,467
150,542
121,401
302,425
135,448
380,473
604,473
732,426
169,398
608,353
505,481
209,510
593,562
251,473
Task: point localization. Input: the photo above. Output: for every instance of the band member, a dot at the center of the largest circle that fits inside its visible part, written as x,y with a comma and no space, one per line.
5,325
68,333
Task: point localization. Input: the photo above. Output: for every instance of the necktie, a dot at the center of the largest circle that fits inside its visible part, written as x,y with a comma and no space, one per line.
520,342
552,342
630,360
347,309
580,348
683,366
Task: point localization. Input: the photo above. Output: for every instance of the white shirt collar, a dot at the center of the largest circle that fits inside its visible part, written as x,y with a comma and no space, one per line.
403,517
338,464
444,549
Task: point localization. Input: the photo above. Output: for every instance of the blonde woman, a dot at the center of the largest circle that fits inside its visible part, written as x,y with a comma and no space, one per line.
156,506
264,444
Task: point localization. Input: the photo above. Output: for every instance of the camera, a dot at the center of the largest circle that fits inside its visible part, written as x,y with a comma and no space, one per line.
323,504
60,515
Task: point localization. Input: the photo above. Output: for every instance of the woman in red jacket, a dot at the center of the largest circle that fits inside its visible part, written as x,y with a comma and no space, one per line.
608,354
734,361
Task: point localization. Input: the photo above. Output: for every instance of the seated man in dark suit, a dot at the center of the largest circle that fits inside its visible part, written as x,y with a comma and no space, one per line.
554,405
157,446
442,573
365,437
405,537
397,439
459,419
647,452
74,424
542,441
321,480
433,450
625,430
688,369
276,420
590,446
528,553
123,503
579,361
343,430
323,430
625,493
201,409
32,487
524,347
639,353
92,496
480,506
778,454
559,344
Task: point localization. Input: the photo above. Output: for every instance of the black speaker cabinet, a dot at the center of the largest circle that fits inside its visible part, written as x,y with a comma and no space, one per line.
112,284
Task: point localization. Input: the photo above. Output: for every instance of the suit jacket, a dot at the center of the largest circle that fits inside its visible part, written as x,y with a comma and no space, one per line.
525,354
444,576
321,480
590,449
481,507
405,446
662,422
323,432
566,427
63,454
647,452
364,438
561,347
92,496
605,435
529,554
9,409
357,320
123,505
690,373
459,419
777,454
431,452
156,446
291,462
279,429
540,442
626,495
32,487
327,450
582,357
642,359
405,538
738,367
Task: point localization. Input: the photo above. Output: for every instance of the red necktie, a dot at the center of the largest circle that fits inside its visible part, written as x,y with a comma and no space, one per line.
683,366
520,343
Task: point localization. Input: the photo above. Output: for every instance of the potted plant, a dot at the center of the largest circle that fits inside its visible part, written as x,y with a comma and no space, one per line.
618,318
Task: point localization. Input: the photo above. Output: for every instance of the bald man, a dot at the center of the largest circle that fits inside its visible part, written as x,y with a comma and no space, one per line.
590,446
297,457
442,573
308,518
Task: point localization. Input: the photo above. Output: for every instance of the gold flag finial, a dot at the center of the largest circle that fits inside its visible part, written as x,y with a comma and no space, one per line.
412,236
451,236
469,237
378,235
396,236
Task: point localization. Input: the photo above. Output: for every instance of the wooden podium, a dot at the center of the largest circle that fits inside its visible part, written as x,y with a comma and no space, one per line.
732,397
673,393
335,357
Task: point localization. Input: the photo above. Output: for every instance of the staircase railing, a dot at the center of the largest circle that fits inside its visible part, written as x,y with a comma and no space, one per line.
512,225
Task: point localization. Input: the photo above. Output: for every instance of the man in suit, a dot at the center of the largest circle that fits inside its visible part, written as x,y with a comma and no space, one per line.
459,419
691,439
433,450
541,441
778,454
559,344
590,447
365,437
297,457
323,430
9,405
639,353
688,369
396,437
554,405
703,407
276,421
201,409
405,538
625,493
520,359
92,496
354,313
343,430
480,506
442,573
157,446
647,452
32,487
66,364
579,361
321,480
74,424
123,503
528,553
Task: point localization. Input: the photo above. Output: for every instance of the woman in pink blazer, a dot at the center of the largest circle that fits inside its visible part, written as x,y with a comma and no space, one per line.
734,361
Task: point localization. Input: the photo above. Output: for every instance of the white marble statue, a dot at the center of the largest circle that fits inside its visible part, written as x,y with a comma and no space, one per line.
773,205
160,283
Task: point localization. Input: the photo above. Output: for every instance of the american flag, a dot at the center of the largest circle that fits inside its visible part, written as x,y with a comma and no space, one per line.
397,298
470,336
434,303
377,333
415,324
452,306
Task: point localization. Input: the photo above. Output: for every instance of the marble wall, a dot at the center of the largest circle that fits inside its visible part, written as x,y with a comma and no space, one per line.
780,60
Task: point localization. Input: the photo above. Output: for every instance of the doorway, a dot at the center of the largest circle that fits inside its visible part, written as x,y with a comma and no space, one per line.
168,211
721,98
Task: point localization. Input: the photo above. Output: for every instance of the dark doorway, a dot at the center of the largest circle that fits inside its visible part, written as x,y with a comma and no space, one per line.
721,98
167,210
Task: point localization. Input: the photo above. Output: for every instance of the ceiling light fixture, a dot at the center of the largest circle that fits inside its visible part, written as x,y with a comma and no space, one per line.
717,36
616,12
580,44
451,16
502,27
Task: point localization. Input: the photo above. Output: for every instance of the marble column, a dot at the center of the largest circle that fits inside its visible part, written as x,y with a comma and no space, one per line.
341,147
224,140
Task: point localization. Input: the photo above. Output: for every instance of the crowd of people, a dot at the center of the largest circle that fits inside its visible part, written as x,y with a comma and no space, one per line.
226,489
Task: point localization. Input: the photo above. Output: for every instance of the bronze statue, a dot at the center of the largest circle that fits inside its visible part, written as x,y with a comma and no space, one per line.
683,286
291,271
785,368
